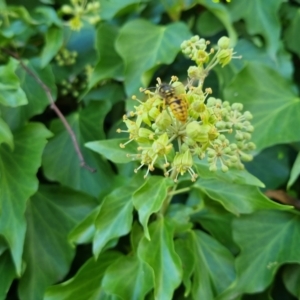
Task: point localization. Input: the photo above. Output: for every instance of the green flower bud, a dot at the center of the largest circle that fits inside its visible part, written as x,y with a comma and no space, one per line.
248,116
223,42
67,9
195,38
179,88
163,121
239,136
224,168
237,106
246,157
213,168
211,101
197,132
202,57
220,125
224,56
251,146
154,112
194,72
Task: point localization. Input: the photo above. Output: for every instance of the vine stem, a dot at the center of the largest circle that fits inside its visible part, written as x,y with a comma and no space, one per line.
53,106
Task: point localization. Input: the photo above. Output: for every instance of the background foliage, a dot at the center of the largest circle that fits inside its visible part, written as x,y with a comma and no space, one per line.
68,233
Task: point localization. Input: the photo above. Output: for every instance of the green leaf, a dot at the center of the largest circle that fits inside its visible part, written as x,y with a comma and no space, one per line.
128,278
277,241
54,41
221,12
11,93
86,284
269,25
115,217
105,69
291,33
270,99
291,279
6,135
160,255
294,172
18,182
36,95
149,198
212,262
8,270
143,46
60,161
111,149
51,213
188,263
236,198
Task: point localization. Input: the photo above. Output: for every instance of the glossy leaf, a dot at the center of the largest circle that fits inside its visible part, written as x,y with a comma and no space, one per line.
54,41
18,182
128,278
156,45
277,238
7,268
291,32
6,134
11,93
291,277
212,262
60,161
160,255
114,219
86,284
51,213
270,102
149,198
295,172
111,149
236,198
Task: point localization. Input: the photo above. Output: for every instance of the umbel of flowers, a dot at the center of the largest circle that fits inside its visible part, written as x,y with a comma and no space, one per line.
179,122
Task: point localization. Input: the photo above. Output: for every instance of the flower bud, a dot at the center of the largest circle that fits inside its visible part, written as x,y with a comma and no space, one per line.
163,121
67,9
197,132
223,42
224,56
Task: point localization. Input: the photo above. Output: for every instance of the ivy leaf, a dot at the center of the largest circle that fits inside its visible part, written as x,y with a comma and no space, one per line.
7,268
54,41
87,281
236,198
6,135
221,12
295,171
291,277
160,255
111,149
273,231
144,46
269,25
128,278
105,43
47,253
212,262
37,98
18,182
291,32
114,219
149,198
11,93
60,161
270,98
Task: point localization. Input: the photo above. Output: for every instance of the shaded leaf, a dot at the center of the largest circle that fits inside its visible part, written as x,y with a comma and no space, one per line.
86,284
151,45
149,198
128,278
291,278
291,33
270,98
6,268
212,262
115,217
160,255
294,172
277,238
51,213
18,182
6,135
60,161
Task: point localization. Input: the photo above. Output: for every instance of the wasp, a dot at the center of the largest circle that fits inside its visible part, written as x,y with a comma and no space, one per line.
177,104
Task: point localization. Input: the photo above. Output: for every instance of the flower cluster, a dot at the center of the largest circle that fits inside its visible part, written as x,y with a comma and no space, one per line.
178,122
66,57
81,10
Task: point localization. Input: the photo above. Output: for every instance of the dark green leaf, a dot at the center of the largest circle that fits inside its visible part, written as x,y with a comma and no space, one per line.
277,241
18,182
143,46
128,278
270,98
291,278
86,284
51,213
115,217
160,255
149,198
8,270
60,161
6,135
291,33
295,171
